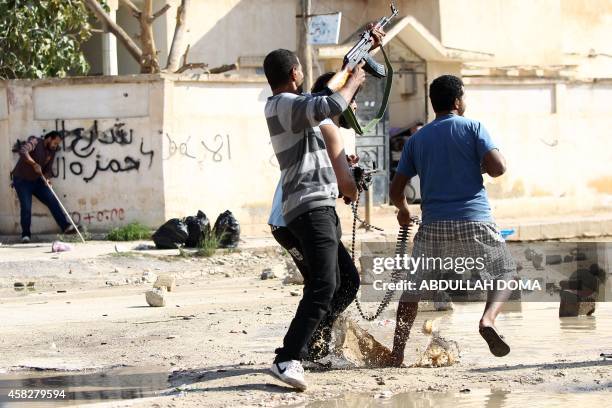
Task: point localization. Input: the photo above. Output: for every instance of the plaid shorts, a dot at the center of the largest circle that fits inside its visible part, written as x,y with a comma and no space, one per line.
459,241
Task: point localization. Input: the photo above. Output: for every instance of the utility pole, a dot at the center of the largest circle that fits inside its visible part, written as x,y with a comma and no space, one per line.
304,49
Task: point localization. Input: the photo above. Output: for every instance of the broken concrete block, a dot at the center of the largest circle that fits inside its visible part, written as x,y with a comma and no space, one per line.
166,281
156,297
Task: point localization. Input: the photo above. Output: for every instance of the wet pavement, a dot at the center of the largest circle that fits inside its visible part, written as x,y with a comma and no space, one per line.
57,388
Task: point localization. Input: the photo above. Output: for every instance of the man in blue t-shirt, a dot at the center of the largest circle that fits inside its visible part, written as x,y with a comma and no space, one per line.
449,155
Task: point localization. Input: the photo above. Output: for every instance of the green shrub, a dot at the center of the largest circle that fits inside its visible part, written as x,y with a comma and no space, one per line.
131,232
209,245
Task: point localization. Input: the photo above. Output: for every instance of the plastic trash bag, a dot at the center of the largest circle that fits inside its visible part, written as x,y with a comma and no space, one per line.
172,235
198,228
227,230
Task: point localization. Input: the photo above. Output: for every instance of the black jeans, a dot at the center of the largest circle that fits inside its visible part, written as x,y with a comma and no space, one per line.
25,190
331,280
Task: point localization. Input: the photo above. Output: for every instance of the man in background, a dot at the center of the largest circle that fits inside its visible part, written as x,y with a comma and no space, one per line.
30,177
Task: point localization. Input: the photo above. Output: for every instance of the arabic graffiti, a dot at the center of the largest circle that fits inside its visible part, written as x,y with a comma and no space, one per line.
219,148
85,143
114,214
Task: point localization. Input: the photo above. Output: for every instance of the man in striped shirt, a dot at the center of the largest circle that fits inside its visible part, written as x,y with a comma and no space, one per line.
309,192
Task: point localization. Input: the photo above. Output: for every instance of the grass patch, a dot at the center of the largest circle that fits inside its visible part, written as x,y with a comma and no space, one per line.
209,245
132,232
74,238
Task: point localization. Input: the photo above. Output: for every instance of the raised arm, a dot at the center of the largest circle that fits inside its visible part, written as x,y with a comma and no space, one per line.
309,111
335,150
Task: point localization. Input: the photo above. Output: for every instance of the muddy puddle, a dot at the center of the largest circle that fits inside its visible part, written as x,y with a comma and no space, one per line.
61,388
474,398
526,326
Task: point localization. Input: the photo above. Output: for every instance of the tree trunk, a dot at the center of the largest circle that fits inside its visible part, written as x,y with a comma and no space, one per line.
125,39
177,41
150,64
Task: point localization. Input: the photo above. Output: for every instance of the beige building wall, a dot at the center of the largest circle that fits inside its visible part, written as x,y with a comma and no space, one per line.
541,33
555,136
217,152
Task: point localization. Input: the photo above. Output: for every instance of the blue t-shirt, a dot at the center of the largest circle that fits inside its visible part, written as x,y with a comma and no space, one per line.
276,215
447,154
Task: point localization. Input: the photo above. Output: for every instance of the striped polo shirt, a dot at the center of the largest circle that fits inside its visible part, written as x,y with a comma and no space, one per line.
306,170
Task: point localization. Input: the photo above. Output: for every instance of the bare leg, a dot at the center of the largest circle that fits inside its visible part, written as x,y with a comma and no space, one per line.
406,313
495,301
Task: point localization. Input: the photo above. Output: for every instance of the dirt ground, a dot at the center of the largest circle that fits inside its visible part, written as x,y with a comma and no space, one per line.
214,340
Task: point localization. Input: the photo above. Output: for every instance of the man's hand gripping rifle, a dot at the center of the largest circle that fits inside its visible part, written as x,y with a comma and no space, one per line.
361,53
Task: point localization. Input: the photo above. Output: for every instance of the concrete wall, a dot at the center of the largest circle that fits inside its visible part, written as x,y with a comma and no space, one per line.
217,152
109,170
525,32
555,137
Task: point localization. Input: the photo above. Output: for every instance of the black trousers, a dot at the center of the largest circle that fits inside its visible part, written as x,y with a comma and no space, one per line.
331,280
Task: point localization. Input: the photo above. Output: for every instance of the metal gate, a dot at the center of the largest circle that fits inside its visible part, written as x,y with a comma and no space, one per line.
374,146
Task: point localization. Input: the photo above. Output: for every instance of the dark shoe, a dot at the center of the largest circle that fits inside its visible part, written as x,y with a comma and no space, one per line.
497,345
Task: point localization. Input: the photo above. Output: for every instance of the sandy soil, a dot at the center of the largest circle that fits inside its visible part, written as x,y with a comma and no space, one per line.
216,336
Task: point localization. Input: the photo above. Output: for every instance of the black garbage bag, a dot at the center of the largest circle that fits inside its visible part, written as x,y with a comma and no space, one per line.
227,230
171,235
198,228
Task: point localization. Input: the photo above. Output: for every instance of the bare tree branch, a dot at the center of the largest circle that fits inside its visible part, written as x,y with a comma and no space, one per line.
179,34
186,54
223,68
187,67
132,6
160,12
125,39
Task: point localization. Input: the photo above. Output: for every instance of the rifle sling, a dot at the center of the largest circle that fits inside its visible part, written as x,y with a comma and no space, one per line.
349,115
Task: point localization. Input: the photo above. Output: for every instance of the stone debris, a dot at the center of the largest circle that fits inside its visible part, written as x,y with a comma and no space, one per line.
267,274
292,274
166,281
295,293
148,276
156,297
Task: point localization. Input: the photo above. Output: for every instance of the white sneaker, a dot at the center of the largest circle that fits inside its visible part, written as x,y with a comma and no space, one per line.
25,240
290,372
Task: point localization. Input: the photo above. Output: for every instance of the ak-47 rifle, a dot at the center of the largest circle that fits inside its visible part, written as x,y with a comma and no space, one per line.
361,53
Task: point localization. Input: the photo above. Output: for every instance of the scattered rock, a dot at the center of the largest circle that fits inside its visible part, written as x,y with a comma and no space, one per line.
295,293
292,274
148,276
442,301
156,297
19,285
267,274
166,281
